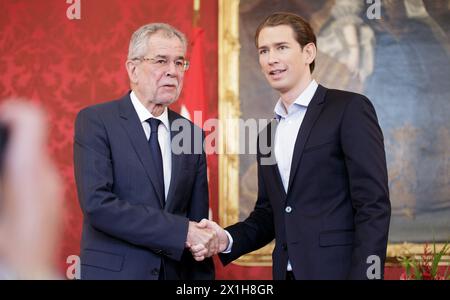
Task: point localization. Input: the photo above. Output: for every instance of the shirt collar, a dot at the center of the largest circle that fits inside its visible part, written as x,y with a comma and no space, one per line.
144,114
302,100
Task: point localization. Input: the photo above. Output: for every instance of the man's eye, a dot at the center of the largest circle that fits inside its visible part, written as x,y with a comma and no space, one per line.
262,51
179,63
282,47
161,61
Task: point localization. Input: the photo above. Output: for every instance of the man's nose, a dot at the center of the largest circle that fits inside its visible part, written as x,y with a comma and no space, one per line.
272,58
171,70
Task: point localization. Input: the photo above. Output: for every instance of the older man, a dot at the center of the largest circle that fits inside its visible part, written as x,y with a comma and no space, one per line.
140,201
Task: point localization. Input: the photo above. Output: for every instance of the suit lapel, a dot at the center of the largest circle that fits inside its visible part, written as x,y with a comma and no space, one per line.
130,121
177,162
272,168
313,111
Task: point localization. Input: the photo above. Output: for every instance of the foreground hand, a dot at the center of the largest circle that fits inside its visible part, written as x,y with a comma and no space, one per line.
31,194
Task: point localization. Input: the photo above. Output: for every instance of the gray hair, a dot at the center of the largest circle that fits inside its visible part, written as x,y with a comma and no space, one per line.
139,39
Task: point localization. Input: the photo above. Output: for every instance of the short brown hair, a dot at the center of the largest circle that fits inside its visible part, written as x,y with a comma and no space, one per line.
303,32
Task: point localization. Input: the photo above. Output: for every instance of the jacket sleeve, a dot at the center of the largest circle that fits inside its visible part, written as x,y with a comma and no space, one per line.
363,147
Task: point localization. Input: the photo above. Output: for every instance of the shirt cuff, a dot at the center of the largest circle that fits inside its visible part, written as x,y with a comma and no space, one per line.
230,243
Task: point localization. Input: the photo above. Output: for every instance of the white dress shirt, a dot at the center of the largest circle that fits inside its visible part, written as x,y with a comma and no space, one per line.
289,122
163,136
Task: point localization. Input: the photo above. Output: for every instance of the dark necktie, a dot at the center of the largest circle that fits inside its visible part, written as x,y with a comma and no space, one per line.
156,155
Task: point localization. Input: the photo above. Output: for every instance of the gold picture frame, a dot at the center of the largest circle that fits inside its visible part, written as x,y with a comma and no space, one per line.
229,110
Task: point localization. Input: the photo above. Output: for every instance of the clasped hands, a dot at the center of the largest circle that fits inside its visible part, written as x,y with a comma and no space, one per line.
205,239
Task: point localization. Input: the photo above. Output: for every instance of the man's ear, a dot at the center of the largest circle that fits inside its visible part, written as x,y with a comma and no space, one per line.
311,52
132,71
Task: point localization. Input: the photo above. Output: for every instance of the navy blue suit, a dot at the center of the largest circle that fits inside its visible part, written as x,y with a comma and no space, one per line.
128,230
336,211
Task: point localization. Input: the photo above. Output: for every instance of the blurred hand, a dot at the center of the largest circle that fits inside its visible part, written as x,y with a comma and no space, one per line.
31,194
204,238
200,251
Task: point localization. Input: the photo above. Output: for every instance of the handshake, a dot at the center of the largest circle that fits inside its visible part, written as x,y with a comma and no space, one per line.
205,239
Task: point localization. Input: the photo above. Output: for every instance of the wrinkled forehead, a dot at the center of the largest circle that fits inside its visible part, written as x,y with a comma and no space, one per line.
162,44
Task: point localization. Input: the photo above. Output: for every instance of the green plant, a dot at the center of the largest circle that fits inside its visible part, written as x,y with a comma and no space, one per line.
427,268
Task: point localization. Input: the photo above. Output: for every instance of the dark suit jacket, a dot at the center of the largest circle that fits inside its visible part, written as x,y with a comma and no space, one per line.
336,212
128,232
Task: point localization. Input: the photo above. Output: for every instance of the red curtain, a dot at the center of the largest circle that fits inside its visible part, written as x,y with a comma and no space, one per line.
65,65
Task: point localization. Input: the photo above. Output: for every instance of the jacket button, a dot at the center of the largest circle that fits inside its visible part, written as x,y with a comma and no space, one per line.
284,246
288,209
155,271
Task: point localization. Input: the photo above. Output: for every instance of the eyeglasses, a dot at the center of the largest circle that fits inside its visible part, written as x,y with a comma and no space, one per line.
161,62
